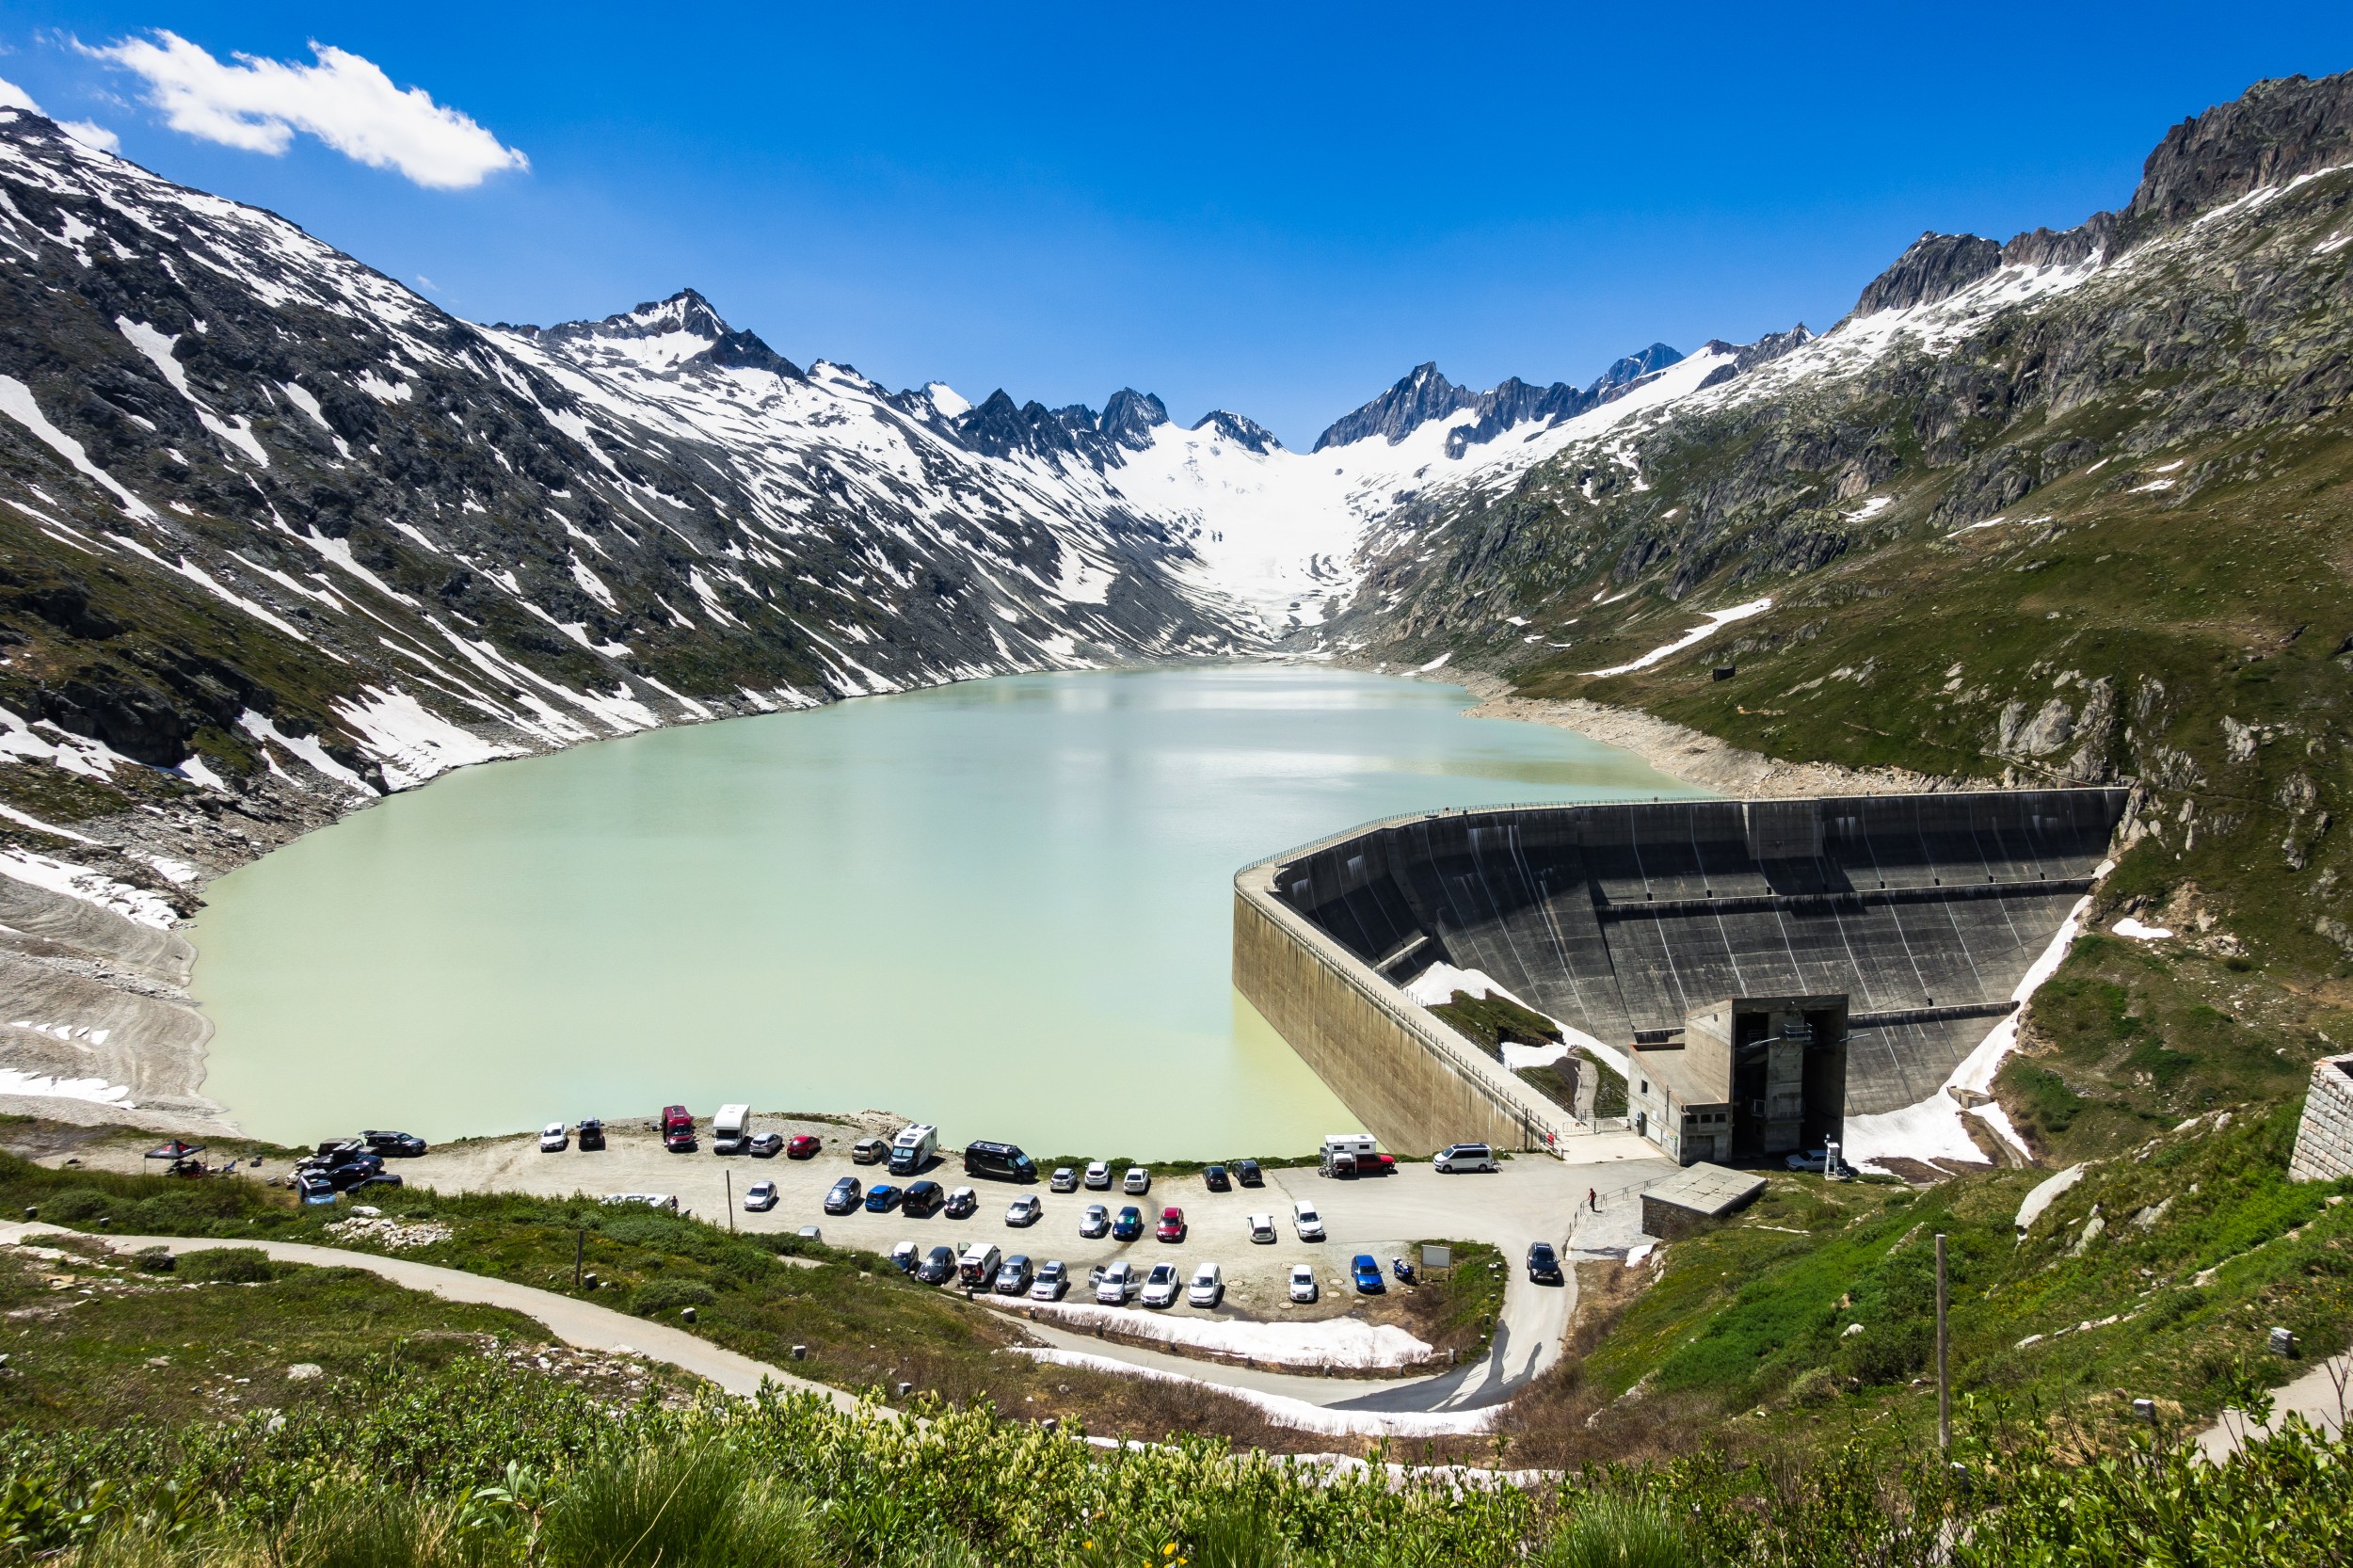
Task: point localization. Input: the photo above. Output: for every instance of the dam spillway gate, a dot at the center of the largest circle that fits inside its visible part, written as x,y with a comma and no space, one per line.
1621,920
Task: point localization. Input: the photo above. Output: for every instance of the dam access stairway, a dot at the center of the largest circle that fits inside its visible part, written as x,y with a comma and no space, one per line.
1925,912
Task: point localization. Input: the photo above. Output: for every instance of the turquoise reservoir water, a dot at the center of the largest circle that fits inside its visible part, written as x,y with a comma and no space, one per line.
1003,906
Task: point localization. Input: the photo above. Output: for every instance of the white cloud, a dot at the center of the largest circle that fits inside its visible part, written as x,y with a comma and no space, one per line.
90,134
14,97
344,100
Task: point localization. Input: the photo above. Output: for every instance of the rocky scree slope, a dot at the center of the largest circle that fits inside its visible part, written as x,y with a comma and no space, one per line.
2069,509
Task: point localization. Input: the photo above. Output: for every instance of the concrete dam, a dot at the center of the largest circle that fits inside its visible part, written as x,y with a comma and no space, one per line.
1893,927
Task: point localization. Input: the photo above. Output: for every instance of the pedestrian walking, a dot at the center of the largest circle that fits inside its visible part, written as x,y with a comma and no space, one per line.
1592,1200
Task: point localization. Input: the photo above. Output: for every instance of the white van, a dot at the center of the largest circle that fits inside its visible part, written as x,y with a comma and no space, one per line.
730,1129
1306,1220
1464,1156
978,1266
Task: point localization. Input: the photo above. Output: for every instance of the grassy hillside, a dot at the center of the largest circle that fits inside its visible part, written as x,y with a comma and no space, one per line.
2159,1275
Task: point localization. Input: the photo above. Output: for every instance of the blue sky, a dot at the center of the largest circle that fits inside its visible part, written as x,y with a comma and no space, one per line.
1275,209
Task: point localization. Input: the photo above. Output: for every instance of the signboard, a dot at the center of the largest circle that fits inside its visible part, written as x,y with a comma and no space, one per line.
1435,1257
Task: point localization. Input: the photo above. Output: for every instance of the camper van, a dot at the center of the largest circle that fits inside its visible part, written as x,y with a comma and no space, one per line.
731,1129
912,1150
1344,1153
1005,1161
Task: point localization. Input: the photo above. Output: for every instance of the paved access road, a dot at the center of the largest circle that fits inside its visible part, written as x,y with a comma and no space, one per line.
573,1321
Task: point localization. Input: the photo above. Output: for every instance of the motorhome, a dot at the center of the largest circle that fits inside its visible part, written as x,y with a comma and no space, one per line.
730,1129
912,1150
1344,1152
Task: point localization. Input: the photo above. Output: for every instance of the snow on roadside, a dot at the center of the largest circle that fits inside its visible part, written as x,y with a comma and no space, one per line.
1932,1128
60,876
1345,1342
1435,986
1297,1415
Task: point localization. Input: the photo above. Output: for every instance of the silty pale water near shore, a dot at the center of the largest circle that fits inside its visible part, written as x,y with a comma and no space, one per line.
1005,906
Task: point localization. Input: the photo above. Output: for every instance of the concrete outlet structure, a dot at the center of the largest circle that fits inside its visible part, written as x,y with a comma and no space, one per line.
1912,918
1748,1078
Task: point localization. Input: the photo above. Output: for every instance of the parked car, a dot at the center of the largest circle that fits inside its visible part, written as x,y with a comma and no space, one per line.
1376,1163
881,1197
1303,1284
1013,1275
1116,1280
1161,1287
760,1197
1215,1179
552,1139
1543,1264
1137,1182
1306,1220
845,1196
1464,1156
650,1200
810,1233
905,1256
591,1135
922,1200
394,1145
1053,1278
936,1266
962,1202
1064,1179
804,1146
381,1178
869,1151
313,1188
1095,1221
1262,1229
678,1129
1207,1287
976,1269
997,1162
1172,1226
1247,1173
1024,1210
1100,1177
766,1146
1129,1225
1367,1269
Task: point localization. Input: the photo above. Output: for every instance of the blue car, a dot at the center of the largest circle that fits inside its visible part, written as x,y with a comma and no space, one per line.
881,1198
1129,1225
1368,1271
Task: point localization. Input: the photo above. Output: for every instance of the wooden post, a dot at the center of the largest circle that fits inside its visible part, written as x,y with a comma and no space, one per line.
580,1253
1944,1385
730,1176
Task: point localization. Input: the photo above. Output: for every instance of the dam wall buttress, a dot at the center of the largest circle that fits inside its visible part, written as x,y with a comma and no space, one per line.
1416,1084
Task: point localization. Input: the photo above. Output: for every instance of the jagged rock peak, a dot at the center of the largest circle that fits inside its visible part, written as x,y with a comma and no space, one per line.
1633,367
1129,416
1423,395
1239,430
2274,131
999,427
681,332
1934,266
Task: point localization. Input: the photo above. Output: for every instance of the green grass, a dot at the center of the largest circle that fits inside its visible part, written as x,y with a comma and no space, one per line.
1816,1306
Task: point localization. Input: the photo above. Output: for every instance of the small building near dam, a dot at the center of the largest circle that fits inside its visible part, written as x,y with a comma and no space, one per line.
1777,964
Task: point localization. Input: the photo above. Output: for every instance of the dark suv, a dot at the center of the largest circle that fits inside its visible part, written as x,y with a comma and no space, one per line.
398,1146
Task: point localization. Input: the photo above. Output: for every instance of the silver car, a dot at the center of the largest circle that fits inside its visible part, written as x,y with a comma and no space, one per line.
1099,1178
1163,1284
1095,1223
1138,1180
1024,1210
1064,1179
1053,1278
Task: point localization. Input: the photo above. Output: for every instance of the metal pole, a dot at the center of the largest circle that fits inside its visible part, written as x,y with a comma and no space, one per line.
580,1253
730,1176
1944,1385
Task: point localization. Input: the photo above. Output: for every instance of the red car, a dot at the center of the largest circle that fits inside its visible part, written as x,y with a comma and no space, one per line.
803,1145
1376,1165
1172,1226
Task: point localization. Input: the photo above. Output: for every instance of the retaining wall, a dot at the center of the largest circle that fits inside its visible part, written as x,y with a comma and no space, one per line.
2324,1139
1415,1083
